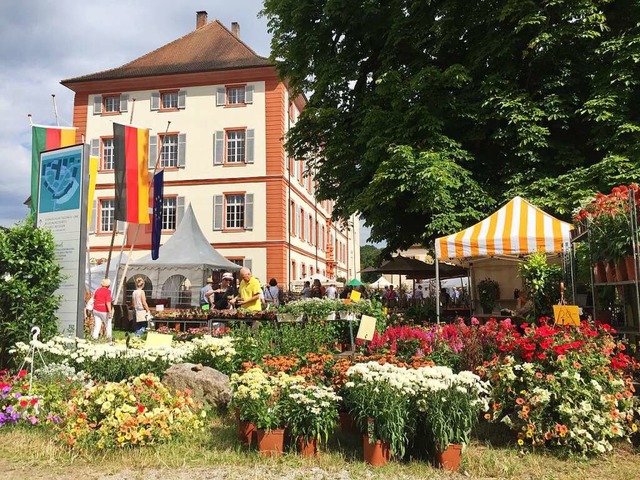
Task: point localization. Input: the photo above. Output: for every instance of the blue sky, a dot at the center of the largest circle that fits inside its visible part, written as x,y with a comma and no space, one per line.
43,42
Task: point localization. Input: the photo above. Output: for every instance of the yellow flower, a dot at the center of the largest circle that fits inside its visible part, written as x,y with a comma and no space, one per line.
520,442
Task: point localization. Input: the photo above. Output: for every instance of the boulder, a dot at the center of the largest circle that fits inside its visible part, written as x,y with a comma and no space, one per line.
206,384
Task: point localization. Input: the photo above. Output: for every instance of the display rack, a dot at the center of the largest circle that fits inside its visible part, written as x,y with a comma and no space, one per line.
625,314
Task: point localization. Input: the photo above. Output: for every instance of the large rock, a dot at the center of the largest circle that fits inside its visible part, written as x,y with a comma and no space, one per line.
206,384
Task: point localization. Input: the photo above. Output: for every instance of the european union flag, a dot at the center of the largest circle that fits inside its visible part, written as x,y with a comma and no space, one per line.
156,230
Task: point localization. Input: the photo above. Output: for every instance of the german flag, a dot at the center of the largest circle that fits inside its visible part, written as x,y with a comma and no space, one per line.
46,138
130,158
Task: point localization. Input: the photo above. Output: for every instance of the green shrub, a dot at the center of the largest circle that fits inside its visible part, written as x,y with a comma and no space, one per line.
29,276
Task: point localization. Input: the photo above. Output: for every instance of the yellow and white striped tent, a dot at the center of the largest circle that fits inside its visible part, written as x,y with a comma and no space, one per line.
517,228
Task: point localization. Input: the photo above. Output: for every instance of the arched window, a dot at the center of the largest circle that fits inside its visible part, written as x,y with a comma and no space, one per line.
131,286
177,289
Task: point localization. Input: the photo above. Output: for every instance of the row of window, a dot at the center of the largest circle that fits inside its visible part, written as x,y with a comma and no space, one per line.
302,272
230,146
172,100
231,211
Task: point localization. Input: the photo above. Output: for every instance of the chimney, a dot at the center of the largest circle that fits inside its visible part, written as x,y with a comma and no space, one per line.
201,19
235,29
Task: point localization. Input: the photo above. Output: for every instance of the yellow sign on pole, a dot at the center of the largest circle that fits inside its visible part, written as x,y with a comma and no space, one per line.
566,315
158,339
355,296
367,328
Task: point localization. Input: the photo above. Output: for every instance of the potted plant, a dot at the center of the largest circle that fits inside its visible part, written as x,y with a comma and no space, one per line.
259,398
310,413
449,406
382,409
608,221
489,293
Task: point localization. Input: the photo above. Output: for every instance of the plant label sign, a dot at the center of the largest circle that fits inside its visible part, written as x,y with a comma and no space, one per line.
566,315
367,328
355,296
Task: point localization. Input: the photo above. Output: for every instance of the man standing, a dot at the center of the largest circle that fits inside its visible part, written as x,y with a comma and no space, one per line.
206,292
331,291
249,291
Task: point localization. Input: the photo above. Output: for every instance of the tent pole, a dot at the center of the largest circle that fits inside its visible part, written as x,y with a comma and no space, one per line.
126,265
437,291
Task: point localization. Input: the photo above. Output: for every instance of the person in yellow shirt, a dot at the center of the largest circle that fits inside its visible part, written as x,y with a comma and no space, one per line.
249,291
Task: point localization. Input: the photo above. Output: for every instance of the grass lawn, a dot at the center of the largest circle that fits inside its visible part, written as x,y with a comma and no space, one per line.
217,454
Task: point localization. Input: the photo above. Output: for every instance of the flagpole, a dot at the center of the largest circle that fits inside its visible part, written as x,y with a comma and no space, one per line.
30,119
55,108
126,266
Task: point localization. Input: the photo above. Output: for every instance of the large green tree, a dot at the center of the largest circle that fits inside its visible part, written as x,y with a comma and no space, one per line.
369,257
423,114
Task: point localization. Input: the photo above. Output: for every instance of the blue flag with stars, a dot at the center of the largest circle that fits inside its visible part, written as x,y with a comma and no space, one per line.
156,230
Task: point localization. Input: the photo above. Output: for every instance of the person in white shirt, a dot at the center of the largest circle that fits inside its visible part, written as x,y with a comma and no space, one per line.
331,292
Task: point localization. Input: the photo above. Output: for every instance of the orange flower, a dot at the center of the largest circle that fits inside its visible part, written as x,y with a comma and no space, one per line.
487,416
548,436
520,401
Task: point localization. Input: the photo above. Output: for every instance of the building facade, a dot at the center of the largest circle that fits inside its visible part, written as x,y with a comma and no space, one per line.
218,115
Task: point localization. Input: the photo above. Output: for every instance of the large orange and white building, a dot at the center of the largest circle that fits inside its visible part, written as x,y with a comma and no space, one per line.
219,115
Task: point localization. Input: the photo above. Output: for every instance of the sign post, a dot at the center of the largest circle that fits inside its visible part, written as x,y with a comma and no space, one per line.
63,181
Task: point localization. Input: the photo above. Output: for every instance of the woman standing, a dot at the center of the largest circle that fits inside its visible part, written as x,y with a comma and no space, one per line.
272,293
102,310
139,300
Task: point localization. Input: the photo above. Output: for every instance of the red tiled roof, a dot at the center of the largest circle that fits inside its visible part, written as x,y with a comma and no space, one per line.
208,48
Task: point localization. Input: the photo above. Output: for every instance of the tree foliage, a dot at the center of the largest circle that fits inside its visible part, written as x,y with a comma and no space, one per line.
424,114
29,276
369,257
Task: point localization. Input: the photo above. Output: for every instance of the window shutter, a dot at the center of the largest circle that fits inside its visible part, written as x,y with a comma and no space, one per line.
95,147
97,104
179,210
217,212
218,148
182,149
248,211
124,103
182,99
153,151
221,96
250,143
248,263
248,94
94,217
155,101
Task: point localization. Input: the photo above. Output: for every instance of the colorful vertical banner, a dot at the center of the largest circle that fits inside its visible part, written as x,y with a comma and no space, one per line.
130,158
93,177
158,191
46,138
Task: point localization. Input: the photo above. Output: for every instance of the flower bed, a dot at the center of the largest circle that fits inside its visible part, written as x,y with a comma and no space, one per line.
135,412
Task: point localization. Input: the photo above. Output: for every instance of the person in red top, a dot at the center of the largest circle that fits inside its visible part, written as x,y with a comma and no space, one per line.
102,310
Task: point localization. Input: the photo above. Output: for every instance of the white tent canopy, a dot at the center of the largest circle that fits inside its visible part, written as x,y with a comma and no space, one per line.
323,281
184,263
94,278
380,283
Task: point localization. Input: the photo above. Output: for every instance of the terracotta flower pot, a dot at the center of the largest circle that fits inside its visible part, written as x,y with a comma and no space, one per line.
347,423
621,270
247,433
271,443
599,272
630,263
376,454
610,269
308,448
450,458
